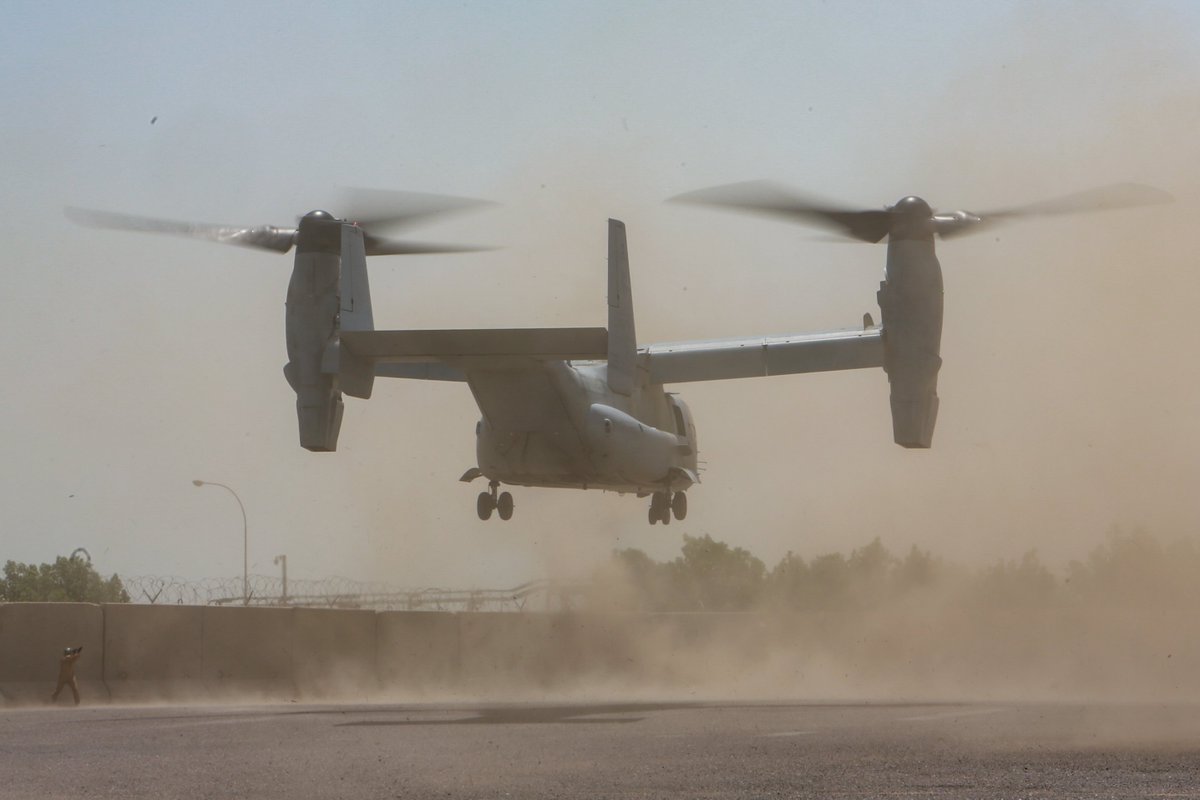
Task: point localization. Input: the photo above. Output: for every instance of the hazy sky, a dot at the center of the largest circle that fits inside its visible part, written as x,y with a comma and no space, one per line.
135,364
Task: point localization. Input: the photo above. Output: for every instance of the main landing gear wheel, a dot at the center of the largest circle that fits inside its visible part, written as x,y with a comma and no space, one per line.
665,504
660,508
494,500
679,506
484,505
504,505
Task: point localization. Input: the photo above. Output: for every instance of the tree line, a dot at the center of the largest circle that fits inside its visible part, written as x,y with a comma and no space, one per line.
67,580
710,575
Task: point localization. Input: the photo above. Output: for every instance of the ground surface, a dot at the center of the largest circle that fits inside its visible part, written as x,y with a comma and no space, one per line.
642,750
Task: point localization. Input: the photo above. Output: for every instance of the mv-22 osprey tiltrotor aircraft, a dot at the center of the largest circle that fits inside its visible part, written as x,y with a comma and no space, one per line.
586,408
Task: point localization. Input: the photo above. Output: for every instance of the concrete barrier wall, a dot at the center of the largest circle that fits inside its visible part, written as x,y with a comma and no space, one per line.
153,652
417,651
247,650
688,650
585,646
499,649
32,638
147,653
333,652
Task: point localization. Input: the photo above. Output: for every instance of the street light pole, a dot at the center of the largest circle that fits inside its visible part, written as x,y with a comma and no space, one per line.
245,539
283,560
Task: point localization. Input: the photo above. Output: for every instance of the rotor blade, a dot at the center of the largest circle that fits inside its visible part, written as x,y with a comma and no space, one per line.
1103,198
263,237
770,199
378,246
378,208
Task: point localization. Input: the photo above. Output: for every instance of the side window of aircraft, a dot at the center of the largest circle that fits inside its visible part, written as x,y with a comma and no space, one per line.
680,425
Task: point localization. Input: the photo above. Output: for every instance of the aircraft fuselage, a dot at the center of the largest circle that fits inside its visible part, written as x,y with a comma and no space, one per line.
559,424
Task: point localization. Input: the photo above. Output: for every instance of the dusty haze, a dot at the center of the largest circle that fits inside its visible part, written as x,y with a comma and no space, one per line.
1116,625
1069,385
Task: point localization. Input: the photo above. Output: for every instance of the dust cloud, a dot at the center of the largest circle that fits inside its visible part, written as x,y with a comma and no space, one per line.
1116,625
1068,411
1068,402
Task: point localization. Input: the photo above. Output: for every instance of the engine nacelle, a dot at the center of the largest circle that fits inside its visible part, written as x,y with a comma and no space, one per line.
319,413
328,293
910,300
311,324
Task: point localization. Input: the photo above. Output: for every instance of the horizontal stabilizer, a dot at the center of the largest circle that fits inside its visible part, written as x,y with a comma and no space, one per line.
760,356
448,345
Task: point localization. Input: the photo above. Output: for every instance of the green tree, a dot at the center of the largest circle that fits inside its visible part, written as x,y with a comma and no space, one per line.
67,580
1015,584
918,569
829,582
652,584
1139,568
719,577
789,584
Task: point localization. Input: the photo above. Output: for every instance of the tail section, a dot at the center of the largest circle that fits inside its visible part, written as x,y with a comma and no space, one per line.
622,340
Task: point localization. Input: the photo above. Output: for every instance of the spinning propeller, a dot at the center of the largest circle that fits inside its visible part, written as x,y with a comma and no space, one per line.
911,294
370,209
911,216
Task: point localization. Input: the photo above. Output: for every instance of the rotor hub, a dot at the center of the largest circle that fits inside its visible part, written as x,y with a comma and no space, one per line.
911,219
320,233
912,207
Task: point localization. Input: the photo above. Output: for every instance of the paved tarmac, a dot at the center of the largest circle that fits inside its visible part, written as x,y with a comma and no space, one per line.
635,750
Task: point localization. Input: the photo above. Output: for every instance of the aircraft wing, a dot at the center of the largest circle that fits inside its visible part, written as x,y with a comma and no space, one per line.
433,371
759,356
438,354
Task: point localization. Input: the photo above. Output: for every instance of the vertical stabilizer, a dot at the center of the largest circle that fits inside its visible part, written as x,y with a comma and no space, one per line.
354,290
356,376
622,341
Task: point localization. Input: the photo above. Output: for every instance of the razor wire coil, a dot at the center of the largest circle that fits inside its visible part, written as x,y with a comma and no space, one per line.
338,592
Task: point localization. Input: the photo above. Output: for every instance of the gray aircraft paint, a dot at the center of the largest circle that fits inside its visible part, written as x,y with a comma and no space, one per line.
910,300
585,407
622,338
311,325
